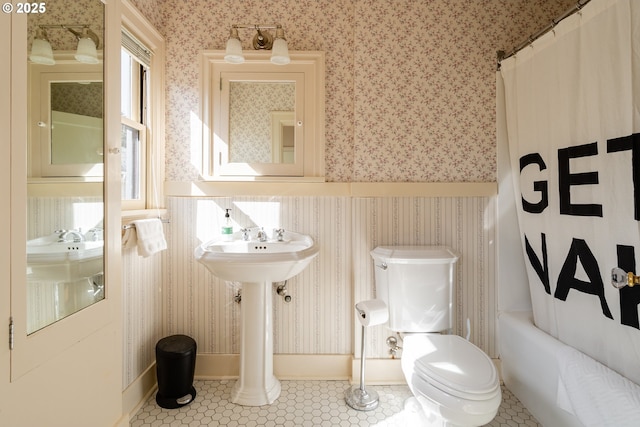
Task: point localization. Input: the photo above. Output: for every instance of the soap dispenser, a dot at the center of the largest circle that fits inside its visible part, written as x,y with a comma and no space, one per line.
227,227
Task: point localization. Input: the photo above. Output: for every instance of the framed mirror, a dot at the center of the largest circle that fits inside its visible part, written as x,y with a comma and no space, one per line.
66,119
253,108
263,121
65,175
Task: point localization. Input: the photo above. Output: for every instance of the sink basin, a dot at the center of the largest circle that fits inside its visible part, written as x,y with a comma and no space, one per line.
48,259
254,261
257,265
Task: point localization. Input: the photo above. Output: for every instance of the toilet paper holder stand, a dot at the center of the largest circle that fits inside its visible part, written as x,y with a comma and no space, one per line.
359,397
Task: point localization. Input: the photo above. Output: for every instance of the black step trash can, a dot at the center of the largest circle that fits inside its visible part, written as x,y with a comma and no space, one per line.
175,366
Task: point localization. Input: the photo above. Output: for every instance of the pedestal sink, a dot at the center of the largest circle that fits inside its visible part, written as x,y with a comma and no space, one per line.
49,259
257,265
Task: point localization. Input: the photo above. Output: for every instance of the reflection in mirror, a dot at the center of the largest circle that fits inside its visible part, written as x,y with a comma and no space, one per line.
253,137
64,252
66,119
76,122
65,211
283,136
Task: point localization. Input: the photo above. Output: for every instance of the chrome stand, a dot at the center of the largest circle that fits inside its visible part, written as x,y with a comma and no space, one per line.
358,397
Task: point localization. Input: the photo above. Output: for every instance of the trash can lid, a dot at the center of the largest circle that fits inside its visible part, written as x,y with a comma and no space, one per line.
176,345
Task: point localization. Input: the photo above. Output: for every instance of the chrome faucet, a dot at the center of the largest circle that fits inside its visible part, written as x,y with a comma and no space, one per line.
69,236
262,236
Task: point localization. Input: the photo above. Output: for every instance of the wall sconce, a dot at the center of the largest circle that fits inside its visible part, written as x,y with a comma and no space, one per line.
263,40
88,42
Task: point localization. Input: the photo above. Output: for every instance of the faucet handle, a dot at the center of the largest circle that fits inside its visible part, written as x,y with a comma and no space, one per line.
245,234
94,234
278,234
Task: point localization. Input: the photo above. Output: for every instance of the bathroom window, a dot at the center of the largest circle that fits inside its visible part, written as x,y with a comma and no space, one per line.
135,119
142,114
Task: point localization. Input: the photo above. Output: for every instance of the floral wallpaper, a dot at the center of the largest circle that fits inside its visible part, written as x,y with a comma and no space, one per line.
410,85
250,140
77,98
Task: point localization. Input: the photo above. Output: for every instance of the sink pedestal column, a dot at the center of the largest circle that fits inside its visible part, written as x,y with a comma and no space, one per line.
257,385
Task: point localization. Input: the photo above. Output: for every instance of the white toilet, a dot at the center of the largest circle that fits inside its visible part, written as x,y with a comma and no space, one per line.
455,383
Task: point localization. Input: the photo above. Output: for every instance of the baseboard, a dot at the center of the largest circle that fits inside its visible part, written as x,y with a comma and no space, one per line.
498,365
217,366
285,366
134,396
312,366
378,371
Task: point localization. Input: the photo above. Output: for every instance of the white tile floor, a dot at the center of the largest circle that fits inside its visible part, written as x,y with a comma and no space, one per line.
304,403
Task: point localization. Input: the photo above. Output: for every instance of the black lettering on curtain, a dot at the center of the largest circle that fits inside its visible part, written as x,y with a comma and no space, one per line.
629,297
540,186
566,179
541,269
631,142
566,279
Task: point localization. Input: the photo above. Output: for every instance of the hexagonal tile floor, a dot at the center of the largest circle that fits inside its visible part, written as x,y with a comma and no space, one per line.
304,403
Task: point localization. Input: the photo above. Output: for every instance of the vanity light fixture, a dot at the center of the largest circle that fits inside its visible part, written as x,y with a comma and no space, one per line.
41,52
263,40
88,42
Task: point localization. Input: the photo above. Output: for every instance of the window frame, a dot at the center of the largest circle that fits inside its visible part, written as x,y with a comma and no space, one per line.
139,27
128,204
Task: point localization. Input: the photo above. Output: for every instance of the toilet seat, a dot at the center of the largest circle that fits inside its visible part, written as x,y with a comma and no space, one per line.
453,365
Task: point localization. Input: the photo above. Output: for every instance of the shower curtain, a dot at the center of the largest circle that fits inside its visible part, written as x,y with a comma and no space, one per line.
573,123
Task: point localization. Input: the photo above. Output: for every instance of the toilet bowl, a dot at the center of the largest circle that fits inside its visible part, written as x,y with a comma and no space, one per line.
454,381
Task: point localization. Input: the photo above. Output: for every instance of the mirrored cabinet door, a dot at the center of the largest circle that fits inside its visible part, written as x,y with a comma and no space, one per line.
61,296
65,183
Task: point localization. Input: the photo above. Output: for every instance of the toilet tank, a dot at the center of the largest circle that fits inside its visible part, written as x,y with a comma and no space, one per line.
416,282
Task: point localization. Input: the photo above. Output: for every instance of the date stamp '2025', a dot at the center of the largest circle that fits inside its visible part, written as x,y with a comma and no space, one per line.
32,7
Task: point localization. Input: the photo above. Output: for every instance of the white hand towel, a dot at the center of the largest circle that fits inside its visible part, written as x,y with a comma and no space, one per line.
150,236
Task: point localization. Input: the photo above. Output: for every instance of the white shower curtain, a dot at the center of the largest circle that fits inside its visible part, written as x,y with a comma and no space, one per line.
573,122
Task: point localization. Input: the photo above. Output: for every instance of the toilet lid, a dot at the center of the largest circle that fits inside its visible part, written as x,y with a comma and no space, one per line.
457,367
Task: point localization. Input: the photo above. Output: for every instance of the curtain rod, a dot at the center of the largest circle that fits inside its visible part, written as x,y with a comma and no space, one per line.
576,8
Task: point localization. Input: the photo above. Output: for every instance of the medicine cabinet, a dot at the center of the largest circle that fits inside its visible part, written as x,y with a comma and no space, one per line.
263,121
66,119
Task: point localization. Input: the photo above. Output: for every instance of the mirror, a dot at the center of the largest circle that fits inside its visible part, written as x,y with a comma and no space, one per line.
261,116
66,115
76,122
65,209
263,121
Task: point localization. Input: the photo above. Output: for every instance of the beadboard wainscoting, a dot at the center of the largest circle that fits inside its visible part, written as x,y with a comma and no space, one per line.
142,282
172,293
